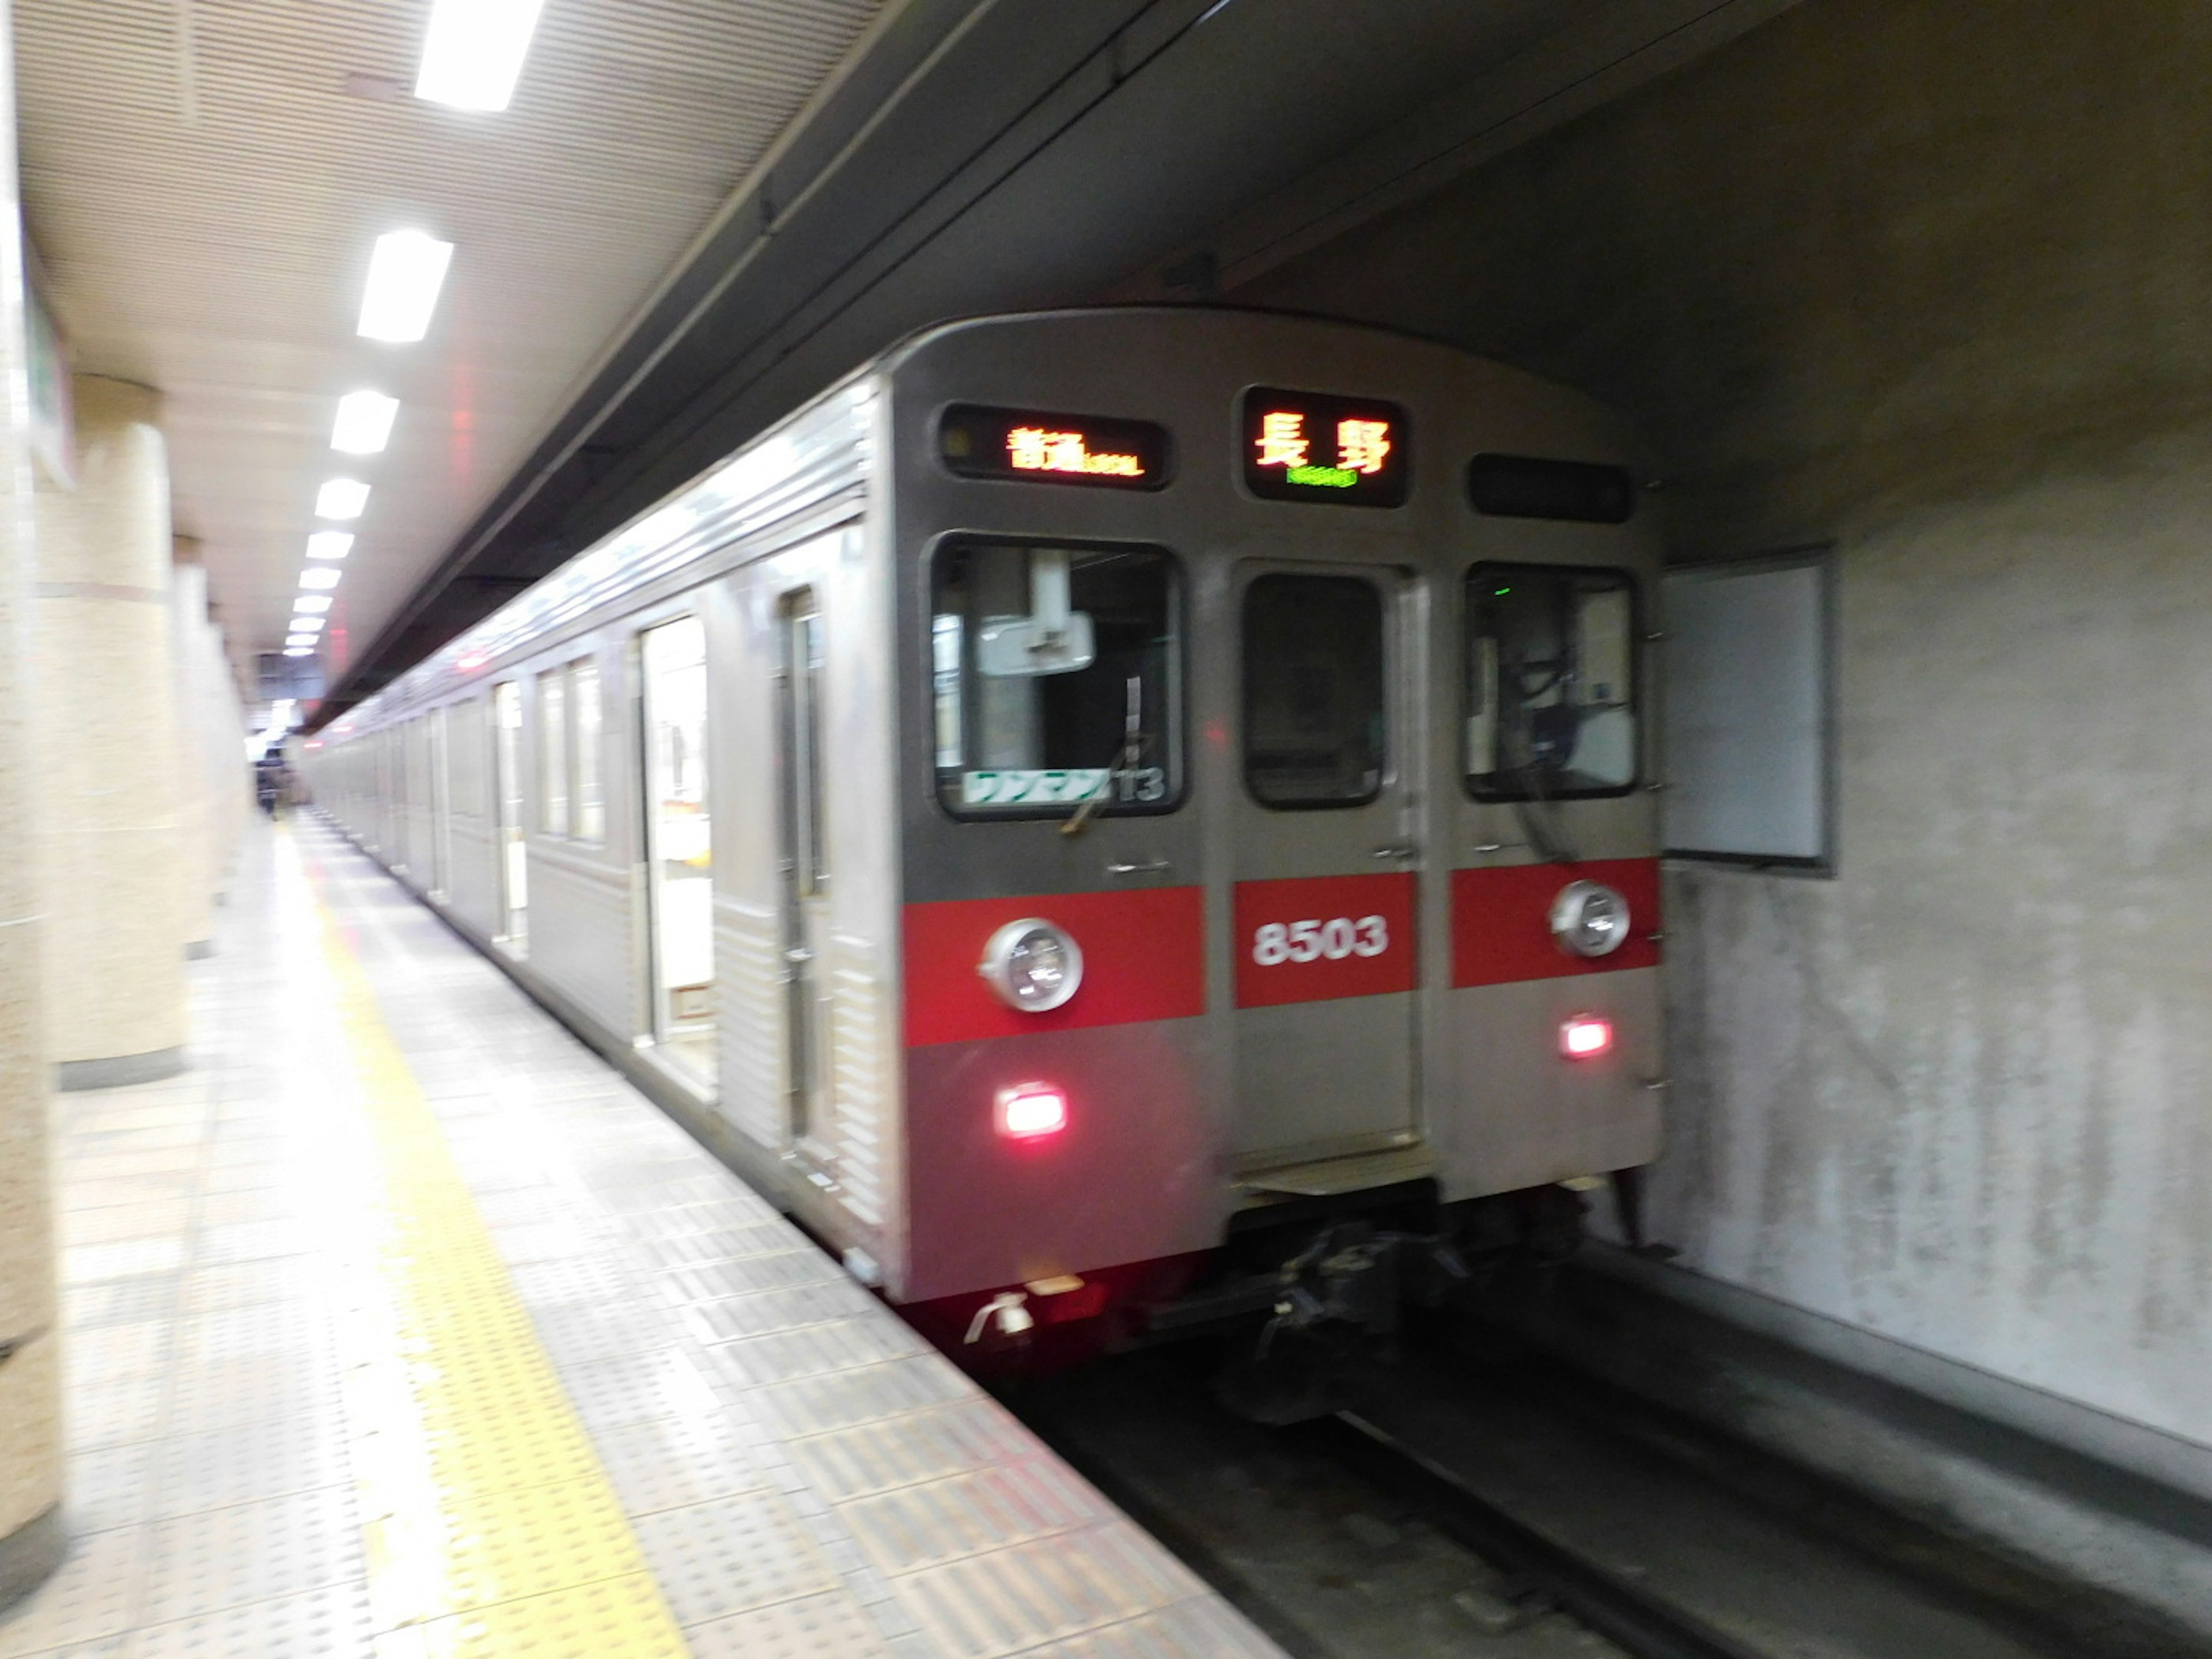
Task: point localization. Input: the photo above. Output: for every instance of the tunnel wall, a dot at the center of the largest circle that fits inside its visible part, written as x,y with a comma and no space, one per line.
1930,280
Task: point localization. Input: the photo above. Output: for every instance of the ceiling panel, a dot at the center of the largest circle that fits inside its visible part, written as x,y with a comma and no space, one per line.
203,182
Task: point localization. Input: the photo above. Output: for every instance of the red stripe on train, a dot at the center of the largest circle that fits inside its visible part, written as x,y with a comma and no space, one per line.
1143,958
1501,920
1315,939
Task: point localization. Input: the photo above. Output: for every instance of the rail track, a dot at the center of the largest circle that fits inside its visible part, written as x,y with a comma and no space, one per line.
1539,1573
1506,1508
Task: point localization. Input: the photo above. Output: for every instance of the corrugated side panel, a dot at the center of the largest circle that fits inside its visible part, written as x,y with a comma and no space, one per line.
579,931
473,888
858,1062
749,1002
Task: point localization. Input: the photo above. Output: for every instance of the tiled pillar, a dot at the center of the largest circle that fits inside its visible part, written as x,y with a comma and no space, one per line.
196,802
30,1377
106,728
222,715
220,712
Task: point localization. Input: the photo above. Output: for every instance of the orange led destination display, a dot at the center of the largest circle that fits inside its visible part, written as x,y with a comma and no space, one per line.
1309,447
977,442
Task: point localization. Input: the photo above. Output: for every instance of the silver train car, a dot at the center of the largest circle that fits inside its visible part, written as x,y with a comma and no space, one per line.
1110,816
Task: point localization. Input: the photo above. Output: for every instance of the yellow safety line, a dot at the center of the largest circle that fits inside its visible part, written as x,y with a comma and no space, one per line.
489,1528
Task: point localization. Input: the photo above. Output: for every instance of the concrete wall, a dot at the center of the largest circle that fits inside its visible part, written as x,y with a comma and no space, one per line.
1933,279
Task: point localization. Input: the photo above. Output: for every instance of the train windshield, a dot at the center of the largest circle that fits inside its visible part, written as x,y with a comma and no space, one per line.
1055,674
1316,706
1551,682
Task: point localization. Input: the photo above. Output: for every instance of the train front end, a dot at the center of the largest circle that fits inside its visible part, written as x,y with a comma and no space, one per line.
1277,862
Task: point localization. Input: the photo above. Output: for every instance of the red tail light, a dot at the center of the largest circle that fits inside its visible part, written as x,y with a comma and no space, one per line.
1031,1112
1585,1036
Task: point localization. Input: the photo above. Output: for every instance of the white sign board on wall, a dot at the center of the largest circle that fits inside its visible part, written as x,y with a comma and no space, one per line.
1749,726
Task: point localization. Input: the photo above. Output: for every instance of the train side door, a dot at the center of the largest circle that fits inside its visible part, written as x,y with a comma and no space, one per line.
679,843
506,806
802,863
1325,865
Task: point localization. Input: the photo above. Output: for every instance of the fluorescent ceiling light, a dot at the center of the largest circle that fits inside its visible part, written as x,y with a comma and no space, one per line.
341,498
472,51
319,575
364,422
329,545
298,651
404,275
299,639
306,625
311,604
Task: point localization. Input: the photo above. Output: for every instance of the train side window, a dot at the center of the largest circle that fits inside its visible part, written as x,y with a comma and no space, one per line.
1315,700
553,752
1551,682
469,734
1056,678
585,720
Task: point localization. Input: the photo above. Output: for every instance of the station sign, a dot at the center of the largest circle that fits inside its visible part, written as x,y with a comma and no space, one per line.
1037,448
1310,446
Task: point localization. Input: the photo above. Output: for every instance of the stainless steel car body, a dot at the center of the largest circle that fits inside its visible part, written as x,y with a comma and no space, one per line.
858,1089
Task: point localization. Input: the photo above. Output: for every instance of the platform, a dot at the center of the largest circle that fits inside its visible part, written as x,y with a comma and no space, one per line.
401,1326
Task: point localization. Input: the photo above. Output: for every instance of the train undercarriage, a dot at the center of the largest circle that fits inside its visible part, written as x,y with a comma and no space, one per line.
1299,1290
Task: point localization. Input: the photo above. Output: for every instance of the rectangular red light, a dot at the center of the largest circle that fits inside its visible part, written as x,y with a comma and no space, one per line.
1585,1036
1031,1112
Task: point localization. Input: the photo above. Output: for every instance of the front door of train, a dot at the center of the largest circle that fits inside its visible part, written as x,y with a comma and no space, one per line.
1326,864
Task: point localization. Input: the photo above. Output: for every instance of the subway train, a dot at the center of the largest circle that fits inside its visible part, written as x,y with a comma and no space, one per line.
1120,820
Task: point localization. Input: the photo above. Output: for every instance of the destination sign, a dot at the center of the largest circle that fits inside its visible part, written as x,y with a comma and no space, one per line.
1310,446
1532,487
1036,447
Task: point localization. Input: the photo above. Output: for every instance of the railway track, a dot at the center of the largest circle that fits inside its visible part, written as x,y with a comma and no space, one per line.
1322,1544
1540,1575
1503,1508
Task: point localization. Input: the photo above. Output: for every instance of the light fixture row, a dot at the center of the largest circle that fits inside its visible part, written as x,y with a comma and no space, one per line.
472,56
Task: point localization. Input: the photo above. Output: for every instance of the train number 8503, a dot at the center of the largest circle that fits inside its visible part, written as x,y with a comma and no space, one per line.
1277,942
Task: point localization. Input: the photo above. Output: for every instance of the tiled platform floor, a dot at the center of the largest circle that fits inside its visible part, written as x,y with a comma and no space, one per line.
800,1474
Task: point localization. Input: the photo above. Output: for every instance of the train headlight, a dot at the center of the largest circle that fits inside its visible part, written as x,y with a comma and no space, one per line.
1032,966
1590,919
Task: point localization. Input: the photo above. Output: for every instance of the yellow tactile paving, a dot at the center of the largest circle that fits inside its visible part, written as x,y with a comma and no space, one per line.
608,1617
489,1526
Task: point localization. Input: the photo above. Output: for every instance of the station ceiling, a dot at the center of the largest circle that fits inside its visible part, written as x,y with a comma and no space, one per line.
694,213
203,183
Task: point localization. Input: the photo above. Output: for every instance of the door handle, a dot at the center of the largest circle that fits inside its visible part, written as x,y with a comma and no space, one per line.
1397,849
1149,867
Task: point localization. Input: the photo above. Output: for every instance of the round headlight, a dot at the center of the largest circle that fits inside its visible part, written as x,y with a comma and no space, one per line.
1032,966
1590,919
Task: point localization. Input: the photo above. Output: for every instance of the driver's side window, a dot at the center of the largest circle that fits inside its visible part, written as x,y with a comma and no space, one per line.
1550,682
1055,679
